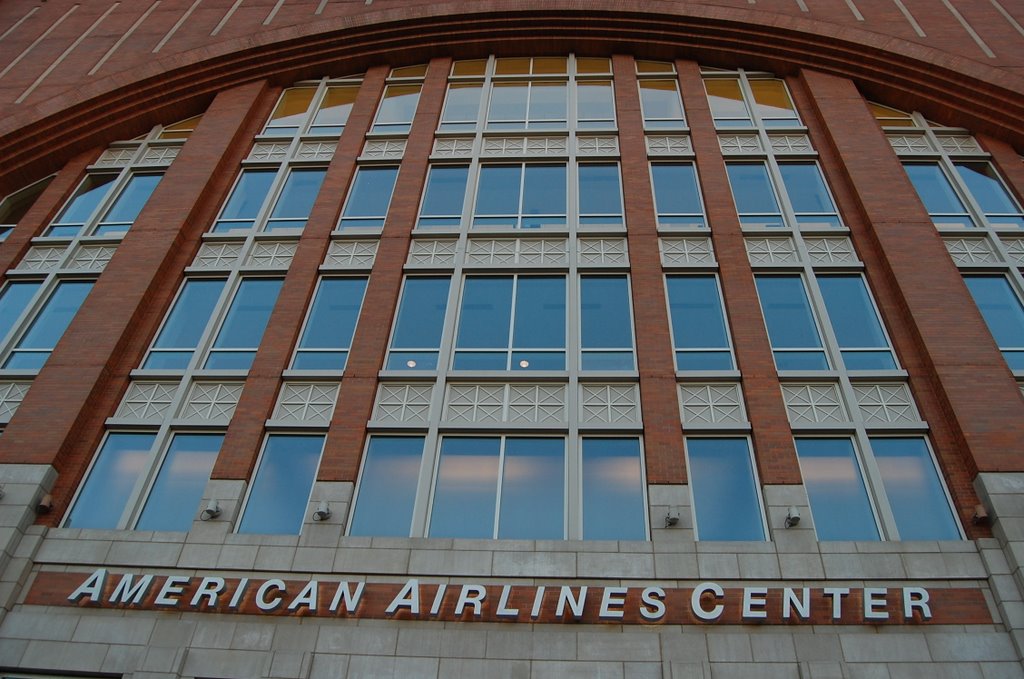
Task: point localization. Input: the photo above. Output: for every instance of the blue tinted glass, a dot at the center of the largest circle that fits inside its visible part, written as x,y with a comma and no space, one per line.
986,187
298,194
703,360
90,192
13,301
751,188
421,313
498,190
544,190
914,490
508,101
190,314
398,105
56,315
446,190
540,313
250,310
486,312
933,188
605,321
724,493
111,481
594,101
466,488
332,320
697,320
533,489
675,189
805,187
660,99
387,488
249,194
179,486
280,492
1000,307
371,192
613,496
787,312
548,101
128,205
463,102
600,192
851,312
839,500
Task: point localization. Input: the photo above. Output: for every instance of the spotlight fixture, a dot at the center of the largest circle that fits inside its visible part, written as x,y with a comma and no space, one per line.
212,511
792,517
323,511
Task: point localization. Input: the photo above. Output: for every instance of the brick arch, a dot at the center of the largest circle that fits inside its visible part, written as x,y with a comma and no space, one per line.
908,75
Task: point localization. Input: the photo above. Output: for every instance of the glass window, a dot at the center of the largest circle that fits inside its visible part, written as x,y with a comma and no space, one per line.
16,205
242,208
461,107
1003,314
915,492
83,204
417,335
938,195
772,103
369,198
808,195
725,495
614,507
990,193
242,330
111,480
754,195
676,196
334,110
469,67
595,104
13,301
387,486
290,111
835,488
600,195
180,483
726,100
49,325
527,105
890,117
330,325
185,324
279,494
796,342
443,197
127,206
862,341
606,324
512,323
521,196
698,323
296,199
182,129
662,107
397,109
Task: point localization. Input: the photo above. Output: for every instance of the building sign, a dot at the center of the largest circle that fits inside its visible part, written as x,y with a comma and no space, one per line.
704,603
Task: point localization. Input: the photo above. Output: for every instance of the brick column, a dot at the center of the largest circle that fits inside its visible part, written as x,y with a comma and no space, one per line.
344,447
1007,160
659,399
773,439
245,433
61,419
959,359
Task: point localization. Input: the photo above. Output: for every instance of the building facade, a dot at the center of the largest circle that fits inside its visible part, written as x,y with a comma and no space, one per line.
525,339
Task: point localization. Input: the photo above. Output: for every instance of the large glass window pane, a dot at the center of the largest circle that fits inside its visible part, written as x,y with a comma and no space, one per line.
613,495
990,193
661,104
508,106
538,335
331,324
497,193
280,491
914,489
772,102
676,196
179,485
606,325
128,204
244,324
461,107
835,488
726,101
937,194
13,301
368,201
245,202
290,111
725,496
387,487
543,196
419,325
855,323
808,195
533,489
17,204
484,323
49,326
600,195
102,500
698,323
465,491
334,110
76,213
1003,314
754,195
444,196
397,109
548,102
184,325
595,105
296,199
791,327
